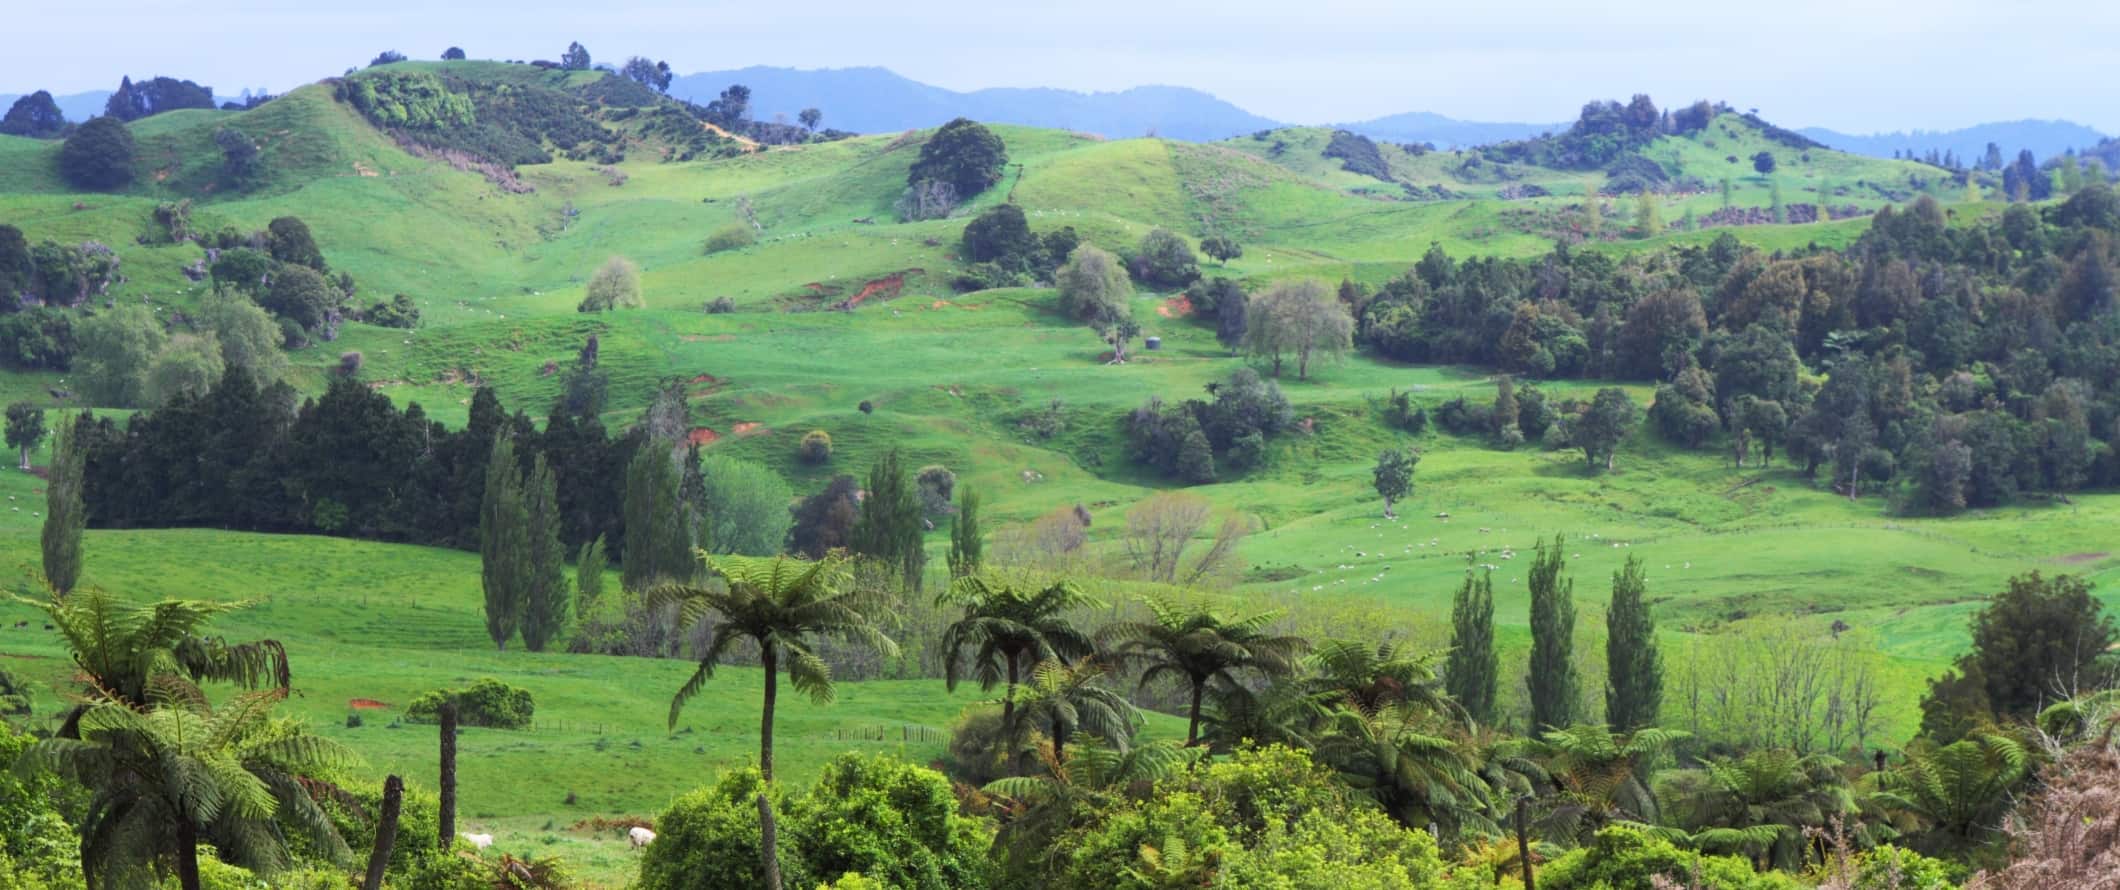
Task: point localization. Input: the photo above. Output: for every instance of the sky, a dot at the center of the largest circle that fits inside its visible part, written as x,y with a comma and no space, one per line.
1858,66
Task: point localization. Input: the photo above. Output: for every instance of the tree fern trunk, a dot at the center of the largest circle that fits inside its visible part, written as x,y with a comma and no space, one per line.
1192,726
448,815
386,827
770,660
769,843
187,854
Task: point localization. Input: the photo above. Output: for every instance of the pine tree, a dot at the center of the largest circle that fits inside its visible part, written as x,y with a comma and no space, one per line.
64,512
1552,679
965,543
504,542
1634,689
890,525
545,600
1473,670
658,546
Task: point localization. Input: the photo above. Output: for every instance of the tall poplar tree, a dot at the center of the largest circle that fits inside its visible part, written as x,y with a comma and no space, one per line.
65,514
658,542
889,528
965,543
1472,672
1552,680
1634,670
545,600
503,542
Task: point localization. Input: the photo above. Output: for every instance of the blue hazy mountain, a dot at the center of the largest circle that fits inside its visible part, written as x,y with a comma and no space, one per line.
2045,139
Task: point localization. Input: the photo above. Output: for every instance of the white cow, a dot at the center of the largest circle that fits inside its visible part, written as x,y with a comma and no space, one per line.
481,841
640,837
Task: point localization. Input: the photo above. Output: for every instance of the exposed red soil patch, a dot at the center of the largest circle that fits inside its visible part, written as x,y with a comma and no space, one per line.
706,378
748,428
702,436
365,704
2079,558
882,288
1175,307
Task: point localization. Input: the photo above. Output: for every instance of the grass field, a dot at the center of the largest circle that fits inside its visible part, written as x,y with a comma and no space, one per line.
498,275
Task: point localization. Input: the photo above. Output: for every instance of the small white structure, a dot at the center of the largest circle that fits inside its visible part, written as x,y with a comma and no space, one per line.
640,837
481,841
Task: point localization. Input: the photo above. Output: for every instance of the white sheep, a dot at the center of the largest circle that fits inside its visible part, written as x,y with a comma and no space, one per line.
481,841
640,837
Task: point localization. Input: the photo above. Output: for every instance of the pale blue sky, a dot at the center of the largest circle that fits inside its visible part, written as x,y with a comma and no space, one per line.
1853,65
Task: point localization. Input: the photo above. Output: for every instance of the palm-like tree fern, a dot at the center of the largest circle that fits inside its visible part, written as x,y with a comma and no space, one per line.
1370,678
1961,790
165,780
1416,764
1065,698
1008,627
1200,647
127,652
1780,791
780,603
1591,776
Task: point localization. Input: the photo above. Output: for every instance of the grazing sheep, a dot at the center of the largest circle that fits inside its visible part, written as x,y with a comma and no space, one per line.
640,837
481,841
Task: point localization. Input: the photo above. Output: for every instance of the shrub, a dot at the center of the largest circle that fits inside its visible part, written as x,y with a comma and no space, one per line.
1403,413
1358,154
487,702
349,363
1165,260
816,447
302,296
99,155
964,155
734,236
977,752
709,840
400,312
937,487
882,817
721,306
616,285
1626,856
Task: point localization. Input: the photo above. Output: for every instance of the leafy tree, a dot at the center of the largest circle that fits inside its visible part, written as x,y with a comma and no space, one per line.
1634,671
576,58
1472,671
655,75
239,156
1763,162
616,285
1000,235
962,153
2036,643
1648,218
16,267
810,118
1222,248
1007,627
187,366
288,239
659,536
746,508
35,116
1554,690
1603,425
453,54
732,109
1199,648
386,57
1165,260
505,564
1093,285
25,429
779,604
966,544
1297,317
545,595
116,348
65,514
890,526
825,521
1393,475
302,297
98,156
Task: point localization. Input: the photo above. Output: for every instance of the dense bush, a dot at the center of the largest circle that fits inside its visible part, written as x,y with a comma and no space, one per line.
98,156
1358,154
1190,439
1164,260
1629,856
37,339
815,447
734,236
963,154
486,702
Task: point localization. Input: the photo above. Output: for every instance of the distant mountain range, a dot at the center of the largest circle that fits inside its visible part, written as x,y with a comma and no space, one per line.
2046,139
77,107
1445,132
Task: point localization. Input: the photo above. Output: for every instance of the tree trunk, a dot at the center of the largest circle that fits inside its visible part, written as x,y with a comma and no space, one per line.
25,457
1059,745
1523,841
448,814
770,660
768,843
1008,717
187,854
1192,728
386,827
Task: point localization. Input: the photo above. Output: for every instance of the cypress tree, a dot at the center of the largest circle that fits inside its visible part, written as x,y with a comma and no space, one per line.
544,609
1552,680
503,542
1471,675
589,575
64,512
1634,689
658,546
889,528
964,534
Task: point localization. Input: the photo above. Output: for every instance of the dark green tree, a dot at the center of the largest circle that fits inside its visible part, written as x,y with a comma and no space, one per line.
890,525
287,238
1472,673
453,54
504,543
965,541
810,118
962,153
576,58
1164,260
1393,475
35,116
1554,687
65,513
98,156
2037,642
1634,670
1602,426
658,542
25,429
651,74
16,267
1222,248
545,596
1763,162
1000,235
